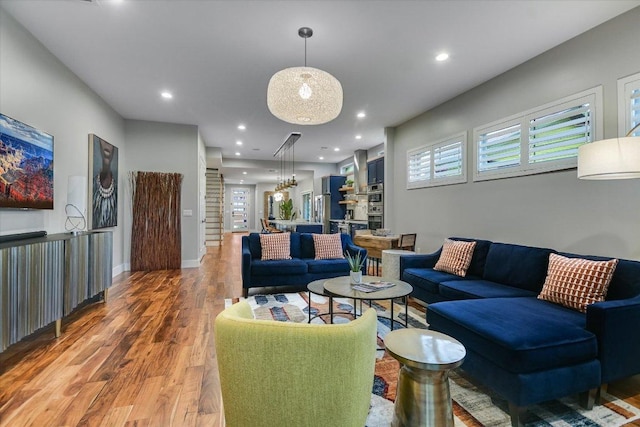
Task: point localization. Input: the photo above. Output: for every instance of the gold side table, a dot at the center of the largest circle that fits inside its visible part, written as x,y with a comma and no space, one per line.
425,357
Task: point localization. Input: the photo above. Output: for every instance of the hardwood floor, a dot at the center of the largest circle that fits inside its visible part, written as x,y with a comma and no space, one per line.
144,358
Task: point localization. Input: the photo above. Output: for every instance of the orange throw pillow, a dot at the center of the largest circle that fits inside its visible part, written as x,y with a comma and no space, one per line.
328,246
455,257
577,282
275,246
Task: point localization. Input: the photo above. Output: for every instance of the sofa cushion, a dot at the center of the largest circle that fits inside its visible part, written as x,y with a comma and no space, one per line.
577,282
283,267
328,266
275,246
428,279
479,258
254,246
455,257
307,249
519,266
327,246
518,334
463,289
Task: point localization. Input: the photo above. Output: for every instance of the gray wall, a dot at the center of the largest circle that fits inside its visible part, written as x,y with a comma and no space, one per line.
554,210
37,89
169,148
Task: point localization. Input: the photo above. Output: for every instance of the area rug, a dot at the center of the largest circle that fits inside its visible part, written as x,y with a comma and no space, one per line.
473,405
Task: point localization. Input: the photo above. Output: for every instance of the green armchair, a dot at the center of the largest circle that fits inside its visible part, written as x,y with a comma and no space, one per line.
294,374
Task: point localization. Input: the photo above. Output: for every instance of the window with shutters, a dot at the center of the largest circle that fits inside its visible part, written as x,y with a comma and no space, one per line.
539,140
629,105
438,163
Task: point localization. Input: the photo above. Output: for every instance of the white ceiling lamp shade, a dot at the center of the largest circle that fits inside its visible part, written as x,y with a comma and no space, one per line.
615,158
304,95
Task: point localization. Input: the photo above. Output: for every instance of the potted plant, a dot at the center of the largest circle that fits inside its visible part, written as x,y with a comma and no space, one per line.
356,262
286,208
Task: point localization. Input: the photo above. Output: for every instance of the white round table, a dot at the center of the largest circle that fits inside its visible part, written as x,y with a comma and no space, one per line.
391,262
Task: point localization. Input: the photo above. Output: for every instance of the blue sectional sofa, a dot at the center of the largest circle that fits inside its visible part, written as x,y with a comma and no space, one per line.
302,269
526,349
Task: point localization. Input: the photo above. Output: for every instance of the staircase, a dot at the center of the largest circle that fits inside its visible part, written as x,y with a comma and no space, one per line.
214,203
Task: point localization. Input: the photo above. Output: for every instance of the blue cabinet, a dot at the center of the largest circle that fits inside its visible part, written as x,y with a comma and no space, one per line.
330,186
375,171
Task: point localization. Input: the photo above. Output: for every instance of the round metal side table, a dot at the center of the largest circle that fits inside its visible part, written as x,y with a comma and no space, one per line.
425,357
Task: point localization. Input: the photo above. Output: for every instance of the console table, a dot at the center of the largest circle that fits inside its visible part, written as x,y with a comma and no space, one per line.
43,279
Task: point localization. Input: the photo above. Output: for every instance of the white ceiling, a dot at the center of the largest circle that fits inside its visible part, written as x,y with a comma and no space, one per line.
217,58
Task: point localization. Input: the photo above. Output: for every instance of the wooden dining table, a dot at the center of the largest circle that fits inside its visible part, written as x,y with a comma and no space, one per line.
375,245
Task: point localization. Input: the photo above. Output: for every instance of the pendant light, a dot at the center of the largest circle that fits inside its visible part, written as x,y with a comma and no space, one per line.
304,95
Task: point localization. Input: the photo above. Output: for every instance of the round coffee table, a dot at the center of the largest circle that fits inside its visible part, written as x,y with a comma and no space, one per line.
341,286
317,287
426,357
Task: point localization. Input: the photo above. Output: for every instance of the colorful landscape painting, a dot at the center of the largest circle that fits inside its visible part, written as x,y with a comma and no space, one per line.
26,166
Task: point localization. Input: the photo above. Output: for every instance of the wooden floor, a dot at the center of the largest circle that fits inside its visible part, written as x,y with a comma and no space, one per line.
144,358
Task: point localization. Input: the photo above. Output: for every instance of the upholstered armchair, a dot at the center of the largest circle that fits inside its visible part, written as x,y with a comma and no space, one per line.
294,374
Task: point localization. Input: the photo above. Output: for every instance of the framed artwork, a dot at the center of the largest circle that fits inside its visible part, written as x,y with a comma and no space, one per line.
103,184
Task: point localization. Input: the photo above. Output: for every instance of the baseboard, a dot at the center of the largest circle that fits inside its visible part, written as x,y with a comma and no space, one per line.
118,269
190,263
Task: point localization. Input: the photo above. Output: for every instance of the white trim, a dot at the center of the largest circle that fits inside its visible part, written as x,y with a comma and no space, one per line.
592,96
190,263
431,147
625,86
118,269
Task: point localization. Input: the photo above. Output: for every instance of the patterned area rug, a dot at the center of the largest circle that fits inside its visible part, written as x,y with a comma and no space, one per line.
472,405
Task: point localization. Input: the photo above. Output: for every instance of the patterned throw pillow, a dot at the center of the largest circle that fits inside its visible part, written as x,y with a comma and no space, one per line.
328,246
455,257
275,246
576,282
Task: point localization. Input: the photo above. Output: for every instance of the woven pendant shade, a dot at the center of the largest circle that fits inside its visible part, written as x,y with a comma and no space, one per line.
304,96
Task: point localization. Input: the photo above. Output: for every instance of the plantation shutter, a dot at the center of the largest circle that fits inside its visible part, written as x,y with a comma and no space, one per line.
558,135
419,168
499,149
447,160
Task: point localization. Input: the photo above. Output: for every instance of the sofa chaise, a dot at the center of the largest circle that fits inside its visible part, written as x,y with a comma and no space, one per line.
527,349
300,270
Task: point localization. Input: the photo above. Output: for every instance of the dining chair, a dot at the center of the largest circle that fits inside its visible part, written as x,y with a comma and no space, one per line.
407,242
268,228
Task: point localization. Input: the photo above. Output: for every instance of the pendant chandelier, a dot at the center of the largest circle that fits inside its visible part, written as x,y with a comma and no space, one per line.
286,155
304,95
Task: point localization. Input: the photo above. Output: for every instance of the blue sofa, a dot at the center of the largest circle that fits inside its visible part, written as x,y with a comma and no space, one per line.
525,349
300,270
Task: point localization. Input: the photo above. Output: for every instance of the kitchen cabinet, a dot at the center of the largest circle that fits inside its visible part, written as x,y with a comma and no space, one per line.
333,227
375,171
331,187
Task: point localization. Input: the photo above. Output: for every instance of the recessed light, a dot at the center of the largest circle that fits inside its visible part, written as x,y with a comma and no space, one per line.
241,181
321,158
237,153
244,173
242,127
358,136
166,95
336,149
442,56
238,142
361,115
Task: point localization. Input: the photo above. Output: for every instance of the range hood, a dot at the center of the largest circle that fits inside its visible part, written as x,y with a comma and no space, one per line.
360,171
